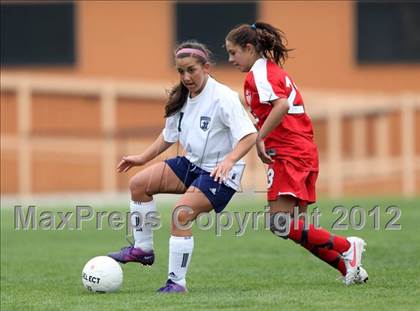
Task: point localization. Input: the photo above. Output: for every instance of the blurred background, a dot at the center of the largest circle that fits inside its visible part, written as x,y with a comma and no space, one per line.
84,82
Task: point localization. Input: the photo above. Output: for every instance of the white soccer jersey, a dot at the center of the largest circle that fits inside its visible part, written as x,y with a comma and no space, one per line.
209,126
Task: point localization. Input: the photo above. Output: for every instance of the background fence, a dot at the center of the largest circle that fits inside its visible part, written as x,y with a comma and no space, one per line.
368,143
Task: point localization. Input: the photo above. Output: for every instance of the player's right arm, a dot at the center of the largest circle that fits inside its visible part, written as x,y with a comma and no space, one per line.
279,110
155,149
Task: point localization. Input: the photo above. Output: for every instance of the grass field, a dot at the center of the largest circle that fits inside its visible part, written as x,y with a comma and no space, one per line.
41,269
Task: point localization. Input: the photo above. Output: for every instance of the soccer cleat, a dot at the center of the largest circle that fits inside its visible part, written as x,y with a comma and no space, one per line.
132,254
172,287
353,259
361,277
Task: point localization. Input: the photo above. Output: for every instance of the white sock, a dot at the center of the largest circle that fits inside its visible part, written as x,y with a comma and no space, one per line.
143,237
180,252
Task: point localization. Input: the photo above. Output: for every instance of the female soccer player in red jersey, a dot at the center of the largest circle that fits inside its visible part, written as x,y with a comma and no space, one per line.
285,142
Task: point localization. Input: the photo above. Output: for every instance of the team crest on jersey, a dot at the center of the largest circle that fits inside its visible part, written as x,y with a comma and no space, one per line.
204,123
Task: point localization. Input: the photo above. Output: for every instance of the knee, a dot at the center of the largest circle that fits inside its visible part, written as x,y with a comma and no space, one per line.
137,185
181,215
279,224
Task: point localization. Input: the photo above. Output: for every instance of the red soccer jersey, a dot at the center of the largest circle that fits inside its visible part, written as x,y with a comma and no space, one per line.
292,139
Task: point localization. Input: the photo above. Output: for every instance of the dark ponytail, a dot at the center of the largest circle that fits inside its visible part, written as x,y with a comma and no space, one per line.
179,93
268,40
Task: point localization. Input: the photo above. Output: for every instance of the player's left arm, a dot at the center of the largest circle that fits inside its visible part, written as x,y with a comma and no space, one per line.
279,110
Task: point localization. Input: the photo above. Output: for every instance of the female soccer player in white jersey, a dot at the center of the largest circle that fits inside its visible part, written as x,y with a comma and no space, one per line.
210,123
285,142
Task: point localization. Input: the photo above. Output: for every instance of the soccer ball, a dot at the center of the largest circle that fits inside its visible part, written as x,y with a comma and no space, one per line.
102,274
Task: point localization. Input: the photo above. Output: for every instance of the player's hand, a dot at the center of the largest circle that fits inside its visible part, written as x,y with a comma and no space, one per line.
262,154
221,171
128,162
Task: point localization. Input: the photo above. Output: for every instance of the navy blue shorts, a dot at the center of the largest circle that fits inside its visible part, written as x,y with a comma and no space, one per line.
219,195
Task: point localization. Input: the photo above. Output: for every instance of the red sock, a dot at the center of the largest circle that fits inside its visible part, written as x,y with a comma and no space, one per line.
318,237
342,266
330,256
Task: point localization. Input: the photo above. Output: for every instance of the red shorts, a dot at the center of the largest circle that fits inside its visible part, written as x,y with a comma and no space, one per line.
285,179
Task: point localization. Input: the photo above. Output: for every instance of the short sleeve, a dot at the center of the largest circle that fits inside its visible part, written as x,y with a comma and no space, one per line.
234,116
268,82
170,132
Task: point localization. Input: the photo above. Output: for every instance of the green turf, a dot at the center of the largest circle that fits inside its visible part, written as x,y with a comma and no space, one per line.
41,270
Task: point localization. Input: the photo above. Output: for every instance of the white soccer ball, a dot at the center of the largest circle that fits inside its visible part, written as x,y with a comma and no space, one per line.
102,274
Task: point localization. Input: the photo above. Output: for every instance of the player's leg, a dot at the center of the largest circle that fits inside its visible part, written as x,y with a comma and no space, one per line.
283,225
286,180
289,187
343,262
181,242
333,249
203,196
331,257
157,178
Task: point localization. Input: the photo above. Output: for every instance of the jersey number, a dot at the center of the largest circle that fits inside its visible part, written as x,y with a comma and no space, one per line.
181,114
292,108
270,178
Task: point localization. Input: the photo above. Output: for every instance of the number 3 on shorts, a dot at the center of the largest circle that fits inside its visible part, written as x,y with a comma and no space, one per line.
270,177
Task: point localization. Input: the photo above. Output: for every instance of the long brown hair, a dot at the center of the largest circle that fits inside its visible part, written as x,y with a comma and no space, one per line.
268,40
178,94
